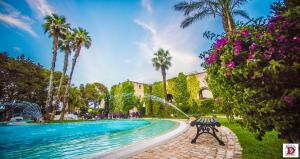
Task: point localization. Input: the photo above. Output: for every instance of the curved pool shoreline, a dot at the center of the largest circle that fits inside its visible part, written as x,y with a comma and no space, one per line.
78,139
140,146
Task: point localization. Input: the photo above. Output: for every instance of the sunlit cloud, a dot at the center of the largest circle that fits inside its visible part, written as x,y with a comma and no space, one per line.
146,4
12,17
40,7
172,38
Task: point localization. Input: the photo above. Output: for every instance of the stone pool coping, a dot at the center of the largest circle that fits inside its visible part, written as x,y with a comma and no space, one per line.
140,146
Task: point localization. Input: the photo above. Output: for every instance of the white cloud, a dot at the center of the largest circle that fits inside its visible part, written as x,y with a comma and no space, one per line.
146,4
16,49
179,42
14,18
41,7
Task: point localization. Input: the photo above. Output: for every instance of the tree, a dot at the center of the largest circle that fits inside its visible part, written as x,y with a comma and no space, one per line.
81,38
75,99
54,26
65,44
162,61
22,79
94,93
199,9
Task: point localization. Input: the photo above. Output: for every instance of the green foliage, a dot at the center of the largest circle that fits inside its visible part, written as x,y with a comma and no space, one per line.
193,90
158,90
181,94
146,100
75,99
22,79
128,98
207,106
254,72
122,98
116,99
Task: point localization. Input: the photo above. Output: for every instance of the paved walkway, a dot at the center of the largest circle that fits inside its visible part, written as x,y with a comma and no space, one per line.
206,147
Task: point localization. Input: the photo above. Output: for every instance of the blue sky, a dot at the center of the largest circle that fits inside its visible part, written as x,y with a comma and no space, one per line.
125,33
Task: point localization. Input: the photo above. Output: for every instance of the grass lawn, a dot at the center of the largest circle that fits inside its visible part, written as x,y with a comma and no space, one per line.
269,148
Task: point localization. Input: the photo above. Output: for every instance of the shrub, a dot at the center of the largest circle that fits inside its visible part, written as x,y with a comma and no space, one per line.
254,72
206,106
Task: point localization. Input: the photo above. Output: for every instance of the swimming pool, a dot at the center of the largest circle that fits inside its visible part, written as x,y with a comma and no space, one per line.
78,139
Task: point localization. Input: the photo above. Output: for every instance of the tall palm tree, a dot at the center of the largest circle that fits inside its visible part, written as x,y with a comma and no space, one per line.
65,44
81,38
162,61
199,9
54,26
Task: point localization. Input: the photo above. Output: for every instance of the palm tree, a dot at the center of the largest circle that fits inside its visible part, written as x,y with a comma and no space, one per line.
54,26
162,61
81,38
65,44
199,9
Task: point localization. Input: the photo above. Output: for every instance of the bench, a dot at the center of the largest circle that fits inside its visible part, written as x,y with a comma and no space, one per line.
207,125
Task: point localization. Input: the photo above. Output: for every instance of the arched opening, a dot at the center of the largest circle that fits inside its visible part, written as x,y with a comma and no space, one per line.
205,93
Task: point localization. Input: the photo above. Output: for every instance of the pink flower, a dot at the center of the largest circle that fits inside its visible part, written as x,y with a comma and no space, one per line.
213,57
221,42
268,53
271,27
276,18
258,35
237,47
231,64
253,46
250,56
245,33
288,99
281,38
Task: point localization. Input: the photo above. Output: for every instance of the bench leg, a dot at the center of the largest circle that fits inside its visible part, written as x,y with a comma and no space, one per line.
215,135
197,135
195,138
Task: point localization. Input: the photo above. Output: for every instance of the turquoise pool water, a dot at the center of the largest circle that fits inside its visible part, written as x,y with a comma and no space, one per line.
76,140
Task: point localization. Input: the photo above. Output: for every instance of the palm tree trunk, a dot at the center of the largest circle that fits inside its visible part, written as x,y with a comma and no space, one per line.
50,87
231,25
58,97
66,96
163,71
225,24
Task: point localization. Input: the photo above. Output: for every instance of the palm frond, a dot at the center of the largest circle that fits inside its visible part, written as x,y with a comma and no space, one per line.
189,7
234,4
241,13
198,16
161,58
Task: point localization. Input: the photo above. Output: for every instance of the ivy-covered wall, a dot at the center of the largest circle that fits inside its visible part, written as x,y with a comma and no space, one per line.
157,90
193,88
181,95
146,100
122,98
184,89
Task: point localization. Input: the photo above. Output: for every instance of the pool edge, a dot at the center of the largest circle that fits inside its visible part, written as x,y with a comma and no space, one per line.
141,146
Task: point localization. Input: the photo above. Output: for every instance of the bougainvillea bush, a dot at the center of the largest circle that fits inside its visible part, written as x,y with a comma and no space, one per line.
254,73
